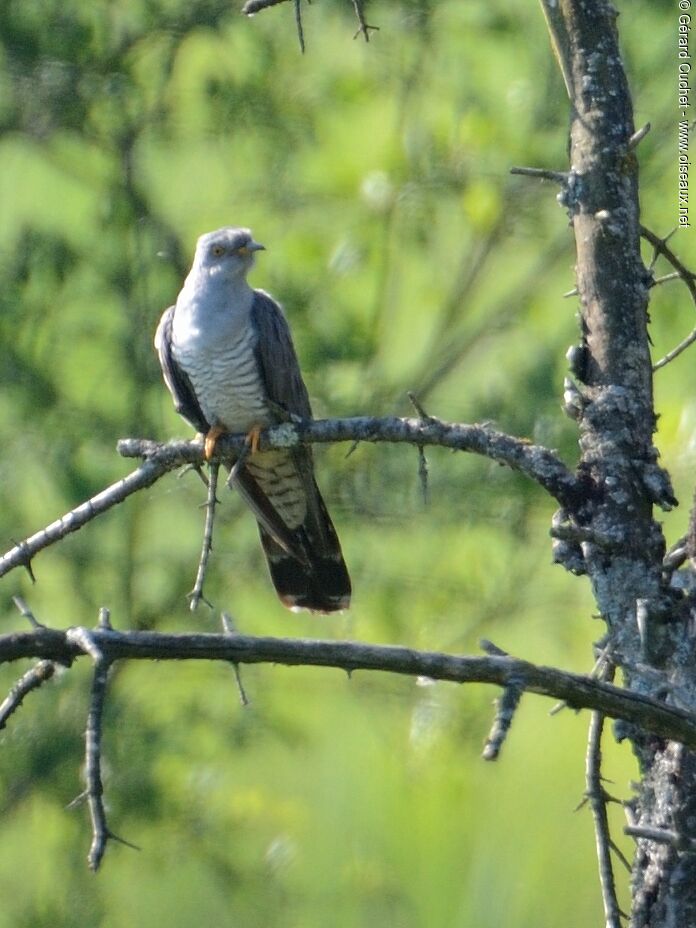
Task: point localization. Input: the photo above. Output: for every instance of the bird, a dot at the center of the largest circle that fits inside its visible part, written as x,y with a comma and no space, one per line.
229,362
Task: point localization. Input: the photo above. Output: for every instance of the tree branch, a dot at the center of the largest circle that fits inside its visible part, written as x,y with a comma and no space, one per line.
21,554
540,464
597,798
35,677
576,690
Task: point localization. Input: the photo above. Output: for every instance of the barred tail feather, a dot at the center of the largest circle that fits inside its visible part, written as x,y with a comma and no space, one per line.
306,563
321,586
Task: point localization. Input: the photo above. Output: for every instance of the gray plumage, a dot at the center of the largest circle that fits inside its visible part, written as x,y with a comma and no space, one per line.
229,362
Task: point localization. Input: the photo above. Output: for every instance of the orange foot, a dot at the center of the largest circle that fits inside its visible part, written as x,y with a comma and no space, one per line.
253,438
211,441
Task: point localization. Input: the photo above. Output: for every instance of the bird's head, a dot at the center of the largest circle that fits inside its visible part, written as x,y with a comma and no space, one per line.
228,252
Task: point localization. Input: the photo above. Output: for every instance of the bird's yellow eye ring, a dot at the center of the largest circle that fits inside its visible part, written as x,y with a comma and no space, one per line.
217,250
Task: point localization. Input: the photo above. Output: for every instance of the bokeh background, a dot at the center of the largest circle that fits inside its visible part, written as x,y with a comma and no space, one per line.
407,258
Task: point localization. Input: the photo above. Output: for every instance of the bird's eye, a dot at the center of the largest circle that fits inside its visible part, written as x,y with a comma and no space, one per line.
217,250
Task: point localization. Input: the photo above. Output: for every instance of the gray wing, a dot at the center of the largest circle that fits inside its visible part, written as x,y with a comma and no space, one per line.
183,394
287,393
276,358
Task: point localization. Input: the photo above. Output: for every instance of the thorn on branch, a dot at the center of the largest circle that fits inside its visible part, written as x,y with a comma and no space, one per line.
25,558
486,645
506,706
24,609
638,136
679,552
558,177
104,621
31,680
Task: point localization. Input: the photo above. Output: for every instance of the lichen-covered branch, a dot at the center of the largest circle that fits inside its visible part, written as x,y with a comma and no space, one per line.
539,463
536,462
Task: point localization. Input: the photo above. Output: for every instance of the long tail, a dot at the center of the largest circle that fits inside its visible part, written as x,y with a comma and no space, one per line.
305,562
320,581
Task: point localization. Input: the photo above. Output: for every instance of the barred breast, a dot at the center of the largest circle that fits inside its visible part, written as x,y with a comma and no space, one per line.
225,378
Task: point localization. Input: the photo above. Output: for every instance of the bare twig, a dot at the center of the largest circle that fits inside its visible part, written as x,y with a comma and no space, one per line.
675,352
506,706
31,680
84,640
580,692
675,275
239,463
298,24
95,787
363,28
660,249
597,798
196,594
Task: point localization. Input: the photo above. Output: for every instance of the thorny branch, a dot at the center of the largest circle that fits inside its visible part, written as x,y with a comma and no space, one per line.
196,594
597,799
576,690
95,787
536,462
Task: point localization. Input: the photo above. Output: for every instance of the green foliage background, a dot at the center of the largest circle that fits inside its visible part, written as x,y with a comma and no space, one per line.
407,258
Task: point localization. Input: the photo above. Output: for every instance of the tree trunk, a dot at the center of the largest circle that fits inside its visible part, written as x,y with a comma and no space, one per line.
618,542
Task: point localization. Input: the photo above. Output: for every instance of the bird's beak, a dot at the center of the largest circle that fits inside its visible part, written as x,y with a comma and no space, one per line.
256,246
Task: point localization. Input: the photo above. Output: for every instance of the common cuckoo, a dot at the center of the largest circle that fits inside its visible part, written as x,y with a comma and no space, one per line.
229,362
